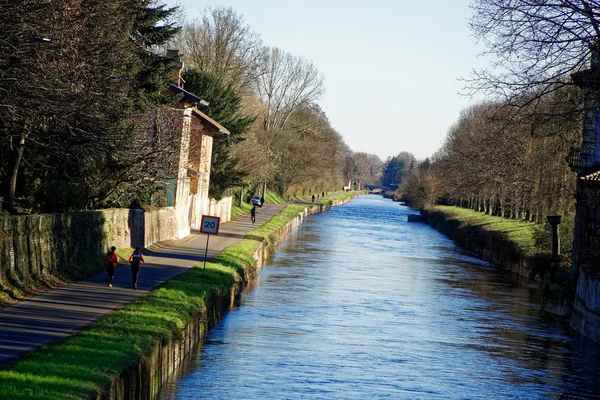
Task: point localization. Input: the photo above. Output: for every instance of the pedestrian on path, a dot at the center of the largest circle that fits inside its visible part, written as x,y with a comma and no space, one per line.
313,198
111,259
253,214
136,260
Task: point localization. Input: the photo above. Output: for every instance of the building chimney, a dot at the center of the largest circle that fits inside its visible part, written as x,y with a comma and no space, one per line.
177,66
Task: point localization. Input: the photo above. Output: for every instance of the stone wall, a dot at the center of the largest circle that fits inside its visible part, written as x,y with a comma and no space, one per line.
34,246
205,206
585,317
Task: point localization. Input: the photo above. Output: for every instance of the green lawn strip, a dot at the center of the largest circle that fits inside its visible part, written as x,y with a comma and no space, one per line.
238,211
87,362
340,196
274,198
517,231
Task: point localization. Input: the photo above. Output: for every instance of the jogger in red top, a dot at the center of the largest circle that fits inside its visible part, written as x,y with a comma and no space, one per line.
111,259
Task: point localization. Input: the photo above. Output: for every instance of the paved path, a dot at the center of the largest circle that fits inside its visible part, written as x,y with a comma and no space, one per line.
56,314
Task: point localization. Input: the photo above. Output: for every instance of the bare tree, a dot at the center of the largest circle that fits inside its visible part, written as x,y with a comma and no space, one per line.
511,172
308,153
222,44
286,83
536,44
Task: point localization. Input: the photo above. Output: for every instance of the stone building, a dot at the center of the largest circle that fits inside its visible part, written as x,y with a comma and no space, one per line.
198,131
586,244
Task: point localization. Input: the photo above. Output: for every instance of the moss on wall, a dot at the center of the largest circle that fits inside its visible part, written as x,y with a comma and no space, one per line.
36,247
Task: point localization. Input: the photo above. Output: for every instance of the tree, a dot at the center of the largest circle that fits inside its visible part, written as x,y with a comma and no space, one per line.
392,173
286,84
535,44
224,106
69,107
223,45
422,186
308,153
507,169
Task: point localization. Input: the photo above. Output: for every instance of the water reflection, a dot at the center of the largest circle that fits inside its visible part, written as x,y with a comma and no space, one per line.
359,304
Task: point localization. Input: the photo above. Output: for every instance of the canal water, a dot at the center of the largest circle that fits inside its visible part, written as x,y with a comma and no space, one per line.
360,304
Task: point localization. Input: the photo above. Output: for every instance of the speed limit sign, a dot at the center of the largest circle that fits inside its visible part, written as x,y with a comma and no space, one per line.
210,225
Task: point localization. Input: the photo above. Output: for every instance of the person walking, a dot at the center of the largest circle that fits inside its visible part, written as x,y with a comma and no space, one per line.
136,260
111,259
253,214
313,198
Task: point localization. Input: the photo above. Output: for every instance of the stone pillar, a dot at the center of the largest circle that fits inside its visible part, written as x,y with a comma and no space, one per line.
554,221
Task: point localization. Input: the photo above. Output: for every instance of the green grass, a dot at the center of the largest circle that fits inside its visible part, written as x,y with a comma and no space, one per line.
519,232
274,198
237,211
308,198
85,363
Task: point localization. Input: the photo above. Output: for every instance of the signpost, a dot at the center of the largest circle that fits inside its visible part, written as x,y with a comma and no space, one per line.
210,226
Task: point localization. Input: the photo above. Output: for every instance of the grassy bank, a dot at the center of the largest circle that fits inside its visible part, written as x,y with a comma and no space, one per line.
519,246
506,243
521,233
85,364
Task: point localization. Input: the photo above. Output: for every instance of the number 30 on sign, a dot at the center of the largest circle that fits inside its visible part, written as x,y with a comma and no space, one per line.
210,225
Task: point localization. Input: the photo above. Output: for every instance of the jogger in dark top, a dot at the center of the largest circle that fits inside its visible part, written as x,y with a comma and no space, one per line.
136,260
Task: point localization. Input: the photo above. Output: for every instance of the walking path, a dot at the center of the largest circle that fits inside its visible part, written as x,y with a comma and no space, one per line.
54,315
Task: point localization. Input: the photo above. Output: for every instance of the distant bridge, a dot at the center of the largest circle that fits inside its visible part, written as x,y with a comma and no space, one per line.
373,187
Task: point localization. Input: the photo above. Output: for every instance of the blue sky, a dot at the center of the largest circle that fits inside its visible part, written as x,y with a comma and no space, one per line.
391,68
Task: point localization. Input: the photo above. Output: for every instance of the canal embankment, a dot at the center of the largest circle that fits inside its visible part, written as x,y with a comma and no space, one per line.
490,241
512,245
133,352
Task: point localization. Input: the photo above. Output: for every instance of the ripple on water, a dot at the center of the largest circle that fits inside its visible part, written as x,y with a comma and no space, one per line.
360,304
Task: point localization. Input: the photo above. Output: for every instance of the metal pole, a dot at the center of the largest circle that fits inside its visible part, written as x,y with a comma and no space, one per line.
205,253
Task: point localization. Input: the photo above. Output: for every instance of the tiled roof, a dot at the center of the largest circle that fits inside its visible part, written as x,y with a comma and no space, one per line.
209,121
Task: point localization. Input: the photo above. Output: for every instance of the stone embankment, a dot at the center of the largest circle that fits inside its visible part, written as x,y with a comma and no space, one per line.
489,245
168,359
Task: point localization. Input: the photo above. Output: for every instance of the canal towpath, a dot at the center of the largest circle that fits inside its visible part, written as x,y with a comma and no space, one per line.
59,313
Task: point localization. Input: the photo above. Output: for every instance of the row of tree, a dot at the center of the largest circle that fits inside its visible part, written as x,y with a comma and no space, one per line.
286,142
508,156
502,165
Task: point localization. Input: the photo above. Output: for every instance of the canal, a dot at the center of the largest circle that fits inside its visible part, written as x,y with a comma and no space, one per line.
360,304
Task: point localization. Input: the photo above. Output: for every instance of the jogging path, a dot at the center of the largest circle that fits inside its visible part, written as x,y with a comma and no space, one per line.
51,316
